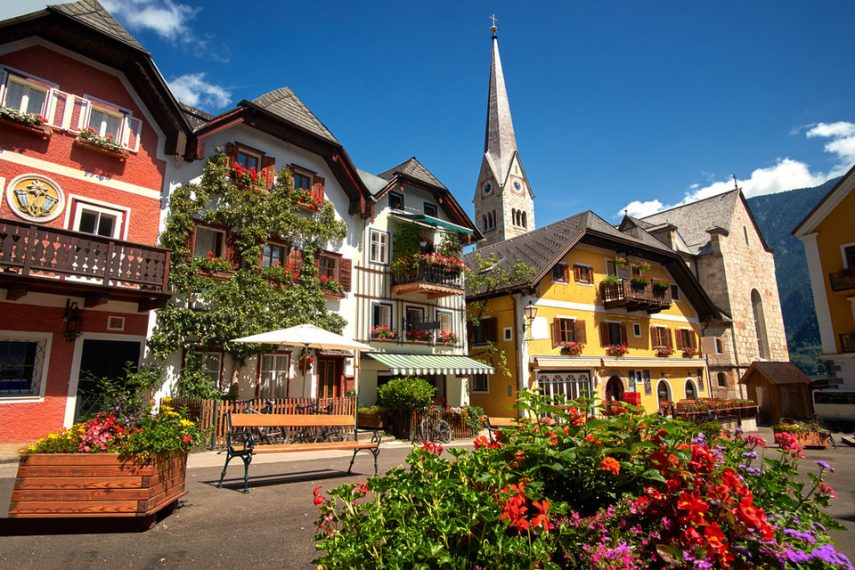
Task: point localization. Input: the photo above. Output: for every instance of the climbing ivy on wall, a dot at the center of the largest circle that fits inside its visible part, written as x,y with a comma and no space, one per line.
208,313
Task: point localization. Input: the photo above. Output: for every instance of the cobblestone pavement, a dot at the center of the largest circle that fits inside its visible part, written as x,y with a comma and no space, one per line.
271,527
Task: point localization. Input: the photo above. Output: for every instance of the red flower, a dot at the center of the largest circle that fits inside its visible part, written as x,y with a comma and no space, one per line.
432,447
715,538
611,465
187,438
541,519
316,493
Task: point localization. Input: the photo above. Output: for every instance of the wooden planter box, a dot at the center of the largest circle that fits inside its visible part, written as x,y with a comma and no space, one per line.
64,485
812,439
369,420
42,131
113,153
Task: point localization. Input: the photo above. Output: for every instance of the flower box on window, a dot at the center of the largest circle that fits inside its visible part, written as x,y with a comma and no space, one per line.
26,122
663,350
246,177
306,200
418,336
331,287
572,348
383,332
280,274
90,139
447,338
689,351
213,267
617,350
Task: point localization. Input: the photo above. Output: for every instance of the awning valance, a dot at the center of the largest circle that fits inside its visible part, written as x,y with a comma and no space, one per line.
556,362
623,362
431,364
434,222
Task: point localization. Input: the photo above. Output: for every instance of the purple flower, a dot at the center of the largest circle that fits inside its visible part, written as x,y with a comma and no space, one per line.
738,431
750,455
750,470
699,439
824,465
796,556
800,535
829,555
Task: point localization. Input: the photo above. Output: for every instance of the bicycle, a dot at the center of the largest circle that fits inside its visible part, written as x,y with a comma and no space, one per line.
267,434
433,427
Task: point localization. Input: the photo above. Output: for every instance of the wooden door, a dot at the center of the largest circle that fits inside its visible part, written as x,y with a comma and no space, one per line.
329,378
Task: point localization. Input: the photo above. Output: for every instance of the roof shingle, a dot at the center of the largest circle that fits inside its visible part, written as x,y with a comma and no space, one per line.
286,105
91,13
414,169
693,220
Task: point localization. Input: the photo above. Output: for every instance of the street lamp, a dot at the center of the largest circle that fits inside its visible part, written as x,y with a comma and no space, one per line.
530,313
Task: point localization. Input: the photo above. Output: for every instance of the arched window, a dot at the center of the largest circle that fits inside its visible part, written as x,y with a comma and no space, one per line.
691,390
760,324
719,346
486,226
722,380
663,392
525,219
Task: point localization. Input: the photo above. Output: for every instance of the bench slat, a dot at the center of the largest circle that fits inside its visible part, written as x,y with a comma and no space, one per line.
320,446
290,420
502,422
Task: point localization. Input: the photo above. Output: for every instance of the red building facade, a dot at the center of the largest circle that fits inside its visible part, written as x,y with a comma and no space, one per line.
87,132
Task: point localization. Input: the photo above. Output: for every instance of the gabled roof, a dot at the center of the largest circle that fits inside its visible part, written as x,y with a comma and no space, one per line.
91,13
542,248
414,169
85,27
284,103
694,220
196,117
825,206
375,184
776,373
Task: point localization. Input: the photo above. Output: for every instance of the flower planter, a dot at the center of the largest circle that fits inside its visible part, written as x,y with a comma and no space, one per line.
374,421
113,153
307,207
334,294
812,439
61,485
42,131
214,274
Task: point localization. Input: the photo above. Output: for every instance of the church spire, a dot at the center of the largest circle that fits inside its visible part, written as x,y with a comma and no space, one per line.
499,141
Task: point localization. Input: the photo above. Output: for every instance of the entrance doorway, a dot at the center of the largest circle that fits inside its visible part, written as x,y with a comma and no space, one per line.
102,359
663,392
330,383
614,389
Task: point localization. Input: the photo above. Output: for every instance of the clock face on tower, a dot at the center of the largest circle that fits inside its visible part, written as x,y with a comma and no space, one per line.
487,188
518,186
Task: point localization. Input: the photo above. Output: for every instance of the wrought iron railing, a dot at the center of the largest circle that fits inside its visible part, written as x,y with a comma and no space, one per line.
51,253
429,273
842,280
625,292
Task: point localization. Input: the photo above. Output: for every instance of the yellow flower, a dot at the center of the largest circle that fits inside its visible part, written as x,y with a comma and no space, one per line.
171,414
187,423
53,436
166,400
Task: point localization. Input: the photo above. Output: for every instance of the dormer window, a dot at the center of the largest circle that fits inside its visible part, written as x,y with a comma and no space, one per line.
430,209
396,201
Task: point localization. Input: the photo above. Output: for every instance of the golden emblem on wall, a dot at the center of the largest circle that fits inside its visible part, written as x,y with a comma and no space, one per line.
35,198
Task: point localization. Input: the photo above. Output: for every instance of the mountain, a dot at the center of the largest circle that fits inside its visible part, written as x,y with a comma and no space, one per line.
777,215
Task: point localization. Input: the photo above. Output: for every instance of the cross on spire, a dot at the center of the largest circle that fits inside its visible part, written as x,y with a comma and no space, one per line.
736,183
493,20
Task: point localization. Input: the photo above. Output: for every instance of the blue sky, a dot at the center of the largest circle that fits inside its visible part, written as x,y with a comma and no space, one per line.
614,103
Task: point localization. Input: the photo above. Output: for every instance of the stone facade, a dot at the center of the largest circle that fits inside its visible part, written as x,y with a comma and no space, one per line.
511,206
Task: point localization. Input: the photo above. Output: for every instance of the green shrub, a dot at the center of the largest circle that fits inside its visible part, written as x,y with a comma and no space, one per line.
711,430
405,394
370,410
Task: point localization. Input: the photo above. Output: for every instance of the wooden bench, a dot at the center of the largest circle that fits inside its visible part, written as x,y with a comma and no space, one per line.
494,423
240,441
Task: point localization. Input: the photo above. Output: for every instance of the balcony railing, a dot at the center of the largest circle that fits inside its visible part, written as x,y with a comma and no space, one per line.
635,298
428,278
842,280
51,259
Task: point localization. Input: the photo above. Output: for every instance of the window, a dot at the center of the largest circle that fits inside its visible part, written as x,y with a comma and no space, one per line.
849,256
687,338
430,209
611,267
107,123
648,389
273,375
208,241
396,201
481,383
634,379
663,392
249,160
524,219
328,266
719,346
381,315
567,385
759,324
675,292
508,334
565,330
485,331
745,231
490,221
445,321
273,255
211,364
612,333
97,221
20,367
25,96
559,272
691,390
414,316
583,274
115,323
302,180
722,380
636,330
660,336
379,247
699,373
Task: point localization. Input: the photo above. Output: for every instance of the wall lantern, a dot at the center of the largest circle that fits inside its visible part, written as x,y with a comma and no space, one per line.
530,313
73,319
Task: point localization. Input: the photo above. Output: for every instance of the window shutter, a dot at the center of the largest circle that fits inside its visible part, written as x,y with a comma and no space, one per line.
79,114
318,188
231,154
556,332
268,169
604,333
694,340
654,337
623,334
581,334
134,128
344,272
679,339
577,273
669,341
490,330
55,107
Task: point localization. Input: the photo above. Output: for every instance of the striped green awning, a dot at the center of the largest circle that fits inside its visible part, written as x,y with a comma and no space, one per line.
431,221
431,364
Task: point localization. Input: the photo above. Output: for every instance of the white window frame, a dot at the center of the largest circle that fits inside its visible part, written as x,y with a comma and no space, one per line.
450,315
42,366
118,229
115,323
391,308
210,229
474,390
128,124
102,128
277,370
508,334
76,202
383,246
636,330
27,81
694,384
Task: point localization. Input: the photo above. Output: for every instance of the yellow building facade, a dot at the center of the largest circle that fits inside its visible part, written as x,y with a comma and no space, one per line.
612,314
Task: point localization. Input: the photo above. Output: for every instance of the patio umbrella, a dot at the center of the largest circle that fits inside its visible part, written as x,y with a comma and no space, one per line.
306,336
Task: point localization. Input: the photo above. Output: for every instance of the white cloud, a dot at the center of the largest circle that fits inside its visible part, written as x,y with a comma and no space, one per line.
194,90
163,17
785,174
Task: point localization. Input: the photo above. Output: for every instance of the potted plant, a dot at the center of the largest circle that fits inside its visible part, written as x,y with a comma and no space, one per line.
400,397
617,350
572,348
660,286
639,281
331,287
418,335
383,332
370,417
305,358
447,338
305,200
31,122
212,266
690,351
105,144
139,456
611,280
620,261
806,433
280,274
663,350
245,177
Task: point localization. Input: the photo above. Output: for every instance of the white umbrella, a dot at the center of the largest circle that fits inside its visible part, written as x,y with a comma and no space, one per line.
306,336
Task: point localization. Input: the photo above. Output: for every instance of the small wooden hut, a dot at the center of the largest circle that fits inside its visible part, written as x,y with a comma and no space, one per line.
780,389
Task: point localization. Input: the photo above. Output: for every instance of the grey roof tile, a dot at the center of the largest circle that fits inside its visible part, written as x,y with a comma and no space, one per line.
285,104
372,182
693,220
91,13
196,117
414,169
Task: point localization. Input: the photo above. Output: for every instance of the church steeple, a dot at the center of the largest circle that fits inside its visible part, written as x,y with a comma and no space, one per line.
504,205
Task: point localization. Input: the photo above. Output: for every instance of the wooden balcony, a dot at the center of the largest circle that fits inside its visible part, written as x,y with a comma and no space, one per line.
633,298
843,280
430,280
51,260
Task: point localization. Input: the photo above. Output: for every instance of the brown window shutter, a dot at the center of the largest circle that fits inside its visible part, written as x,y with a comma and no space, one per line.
344,273
268,169
623,334
565,273
231,154
581,335
695,340
490,330
669,340
654,336
577,273
556,332
679,334
604,333
318,188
